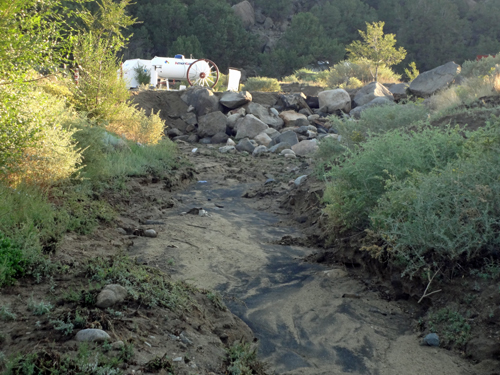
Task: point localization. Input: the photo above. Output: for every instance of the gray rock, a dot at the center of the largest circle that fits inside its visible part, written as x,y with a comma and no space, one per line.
121,230
219,138
274,111
306,147
432,339
185,339
151,233
290,156
173,132
232,119
294,102
289,137
428,83
245,12
233,100
371,91
399,91
268,23
272,132
280,147
92,335
206,140
302,122
331,101
111,295
290,117
193,138
230,142
246,145
227,149
263,139
300,180
201,99
380,101
287,151
189,118
260,150
267,116
211,124
250,127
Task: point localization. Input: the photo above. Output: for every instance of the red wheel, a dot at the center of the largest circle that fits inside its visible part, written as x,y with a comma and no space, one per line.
203,72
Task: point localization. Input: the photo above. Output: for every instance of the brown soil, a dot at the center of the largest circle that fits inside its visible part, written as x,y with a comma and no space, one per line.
341,312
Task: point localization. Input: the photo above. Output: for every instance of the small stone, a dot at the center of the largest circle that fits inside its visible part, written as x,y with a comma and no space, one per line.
150,233
230,142
121,231
111,295
269,181
178,359
117,345
287,151
290,156
227,150
92,335
432,339
260,150
300,180
185,340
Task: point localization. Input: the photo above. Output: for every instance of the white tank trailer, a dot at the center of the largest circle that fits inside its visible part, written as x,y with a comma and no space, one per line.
198,72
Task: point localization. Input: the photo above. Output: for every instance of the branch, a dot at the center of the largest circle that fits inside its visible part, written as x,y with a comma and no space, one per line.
428,285
30,80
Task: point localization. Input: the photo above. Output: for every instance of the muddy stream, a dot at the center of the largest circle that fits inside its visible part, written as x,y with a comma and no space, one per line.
308,318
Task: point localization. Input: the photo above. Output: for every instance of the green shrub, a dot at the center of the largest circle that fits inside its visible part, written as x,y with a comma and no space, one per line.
378,120
447,217
221,83
357,179
480,68
142,75
452,327
262,84
11,261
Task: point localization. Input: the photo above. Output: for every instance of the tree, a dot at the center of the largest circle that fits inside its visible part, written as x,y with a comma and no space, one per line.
378,48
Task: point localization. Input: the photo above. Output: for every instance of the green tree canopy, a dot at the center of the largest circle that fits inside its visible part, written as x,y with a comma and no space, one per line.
376,47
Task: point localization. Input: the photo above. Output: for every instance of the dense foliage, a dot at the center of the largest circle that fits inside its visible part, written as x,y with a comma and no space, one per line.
433,32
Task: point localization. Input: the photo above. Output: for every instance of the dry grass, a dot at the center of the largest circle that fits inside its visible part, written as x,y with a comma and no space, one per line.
470,90
133,124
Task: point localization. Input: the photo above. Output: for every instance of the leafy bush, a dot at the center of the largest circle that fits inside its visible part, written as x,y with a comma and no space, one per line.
442,218
342,73
378,120
11,261
358,177
142,75
222,83
480,68
262,84
452,327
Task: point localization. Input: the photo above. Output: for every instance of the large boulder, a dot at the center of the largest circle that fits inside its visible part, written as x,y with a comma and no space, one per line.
371,91
295,102
263,139
428,83
288,137
331,101
245,12
399,91
250,127
202,100
305,147
233,100
246,145
380,101
211,124
265,98
265,115
290,117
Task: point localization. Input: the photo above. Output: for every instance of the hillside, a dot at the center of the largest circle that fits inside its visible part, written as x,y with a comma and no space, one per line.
274,38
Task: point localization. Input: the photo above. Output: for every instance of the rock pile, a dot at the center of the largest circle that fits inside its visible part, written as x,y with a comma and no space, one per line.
258,124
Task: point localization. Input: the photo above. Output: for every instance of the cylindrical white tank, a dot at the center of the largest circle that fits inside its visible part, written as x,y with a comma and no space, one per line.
173,68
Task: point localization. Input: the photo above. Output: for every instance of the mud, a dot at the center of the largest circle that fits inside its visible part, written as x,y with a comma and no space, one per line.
308,318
